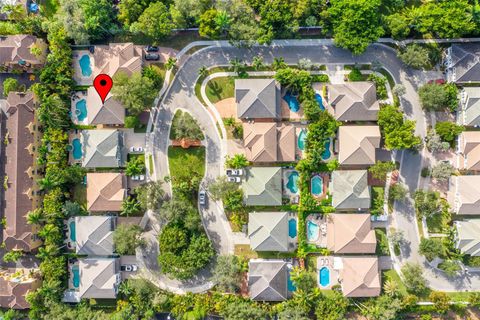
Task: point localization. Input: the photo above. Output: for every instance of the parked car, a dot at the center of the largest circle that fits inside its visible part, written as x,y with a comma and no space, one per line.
151,48
228,172
234,179
152,57
234,172
129,268
136,149
202,197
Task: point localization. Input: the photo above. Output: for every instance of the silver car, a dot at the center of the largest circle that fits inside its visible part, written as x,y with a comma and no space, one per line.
202,197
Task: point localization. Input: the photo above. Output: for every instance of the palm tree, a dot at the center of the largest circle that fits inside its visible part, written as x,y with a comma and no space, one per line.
202,72
278,63
236,65
390,288
171,63
222,20
35,217
130,206
47,252
45,183
48,231
257,62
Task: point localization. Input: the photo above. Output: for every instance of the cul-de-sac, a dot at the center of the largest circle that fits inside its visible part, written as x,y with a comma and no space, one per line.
239,159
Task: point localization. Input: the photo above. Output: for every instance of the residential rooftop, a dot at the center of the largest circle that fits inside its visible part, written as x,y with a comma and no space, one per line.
267,280
350,233
268,231
258,98
269,142
106,191
262,186
353,101
350,190
358,144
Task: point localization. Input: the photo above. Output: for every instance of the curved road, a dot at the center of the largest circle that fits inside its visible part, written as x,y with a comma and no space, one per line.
181,94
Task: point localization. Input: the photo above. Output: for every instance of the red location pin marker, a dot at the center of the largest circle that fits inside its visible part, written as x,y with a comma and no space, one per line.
103,83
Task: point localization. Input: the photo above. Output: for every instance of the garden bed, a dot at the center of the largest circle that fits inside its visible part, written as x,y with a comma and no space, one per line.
382,242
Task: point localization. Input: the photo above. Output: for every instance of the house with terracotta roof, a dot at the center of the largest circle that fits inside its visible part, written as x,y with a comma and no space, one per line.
462,63
268,231
267,280
469,112
350,190
269,142
258,99
464,194
467,238
106,191
21,171
469,146
94,235
18,51
350,233
102,148
88,109
117,57
353,101
359,276
358,145
15,284
262,186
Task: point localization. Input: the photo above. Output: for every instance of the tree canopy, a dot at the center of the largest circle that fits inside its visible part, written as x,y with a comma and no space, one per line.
135,92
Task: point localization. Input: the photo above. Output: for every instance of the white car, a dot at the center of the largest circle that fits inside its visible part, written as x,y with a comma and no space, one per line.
202,197
234,172
233,179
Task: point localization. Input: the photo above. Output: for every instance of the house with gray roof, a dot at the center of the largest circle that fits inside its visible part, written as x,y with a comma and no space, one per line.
262,186
99,278
462,62
350,190
470,107
467,239
94,235
268,231
102,148
258,99
353,101
267,280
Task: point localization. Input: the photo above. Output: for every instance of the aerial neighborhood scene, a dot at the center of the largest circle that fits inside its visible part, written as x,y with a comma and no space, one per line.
239,159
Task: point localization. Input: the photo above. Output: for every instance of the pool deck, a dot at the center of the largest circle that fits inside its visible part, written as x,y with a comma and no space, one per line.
79,95
70,276
77,71
327,261
326,180
289,114
320,220
299,154
70,244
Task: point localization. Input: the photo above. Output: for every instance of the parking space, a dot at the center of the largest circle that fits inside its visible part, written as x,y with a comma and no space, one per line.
128,266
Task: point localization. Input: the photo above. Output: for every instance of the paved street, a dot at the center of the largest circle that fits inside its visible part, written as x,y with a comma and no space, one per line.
181,94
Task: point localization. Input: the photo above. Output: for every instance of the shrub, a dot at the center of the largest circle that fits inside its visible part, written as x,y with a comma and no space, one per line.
355,75
380,85
414,279
10,85
431,248
132,122
448,131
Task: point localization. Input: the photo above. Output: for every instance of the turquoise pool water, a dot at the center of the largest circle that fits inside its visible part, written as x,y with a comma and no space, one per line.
81,109
292,102
85,65
317,185
324,276
73,232
292,228
318,97
327,153
291,287
301,139
76,276
312,231
292,183
77,149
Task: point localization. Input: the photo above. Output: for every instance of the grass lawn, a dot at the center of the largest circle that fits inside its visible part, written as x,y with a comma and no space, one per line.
80,194
377,200
181,160
220,88
245,251
382,242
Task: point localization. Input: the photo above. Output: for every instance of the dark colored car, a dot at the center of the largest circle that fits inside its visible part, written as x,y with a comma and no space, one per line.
151,48
152,57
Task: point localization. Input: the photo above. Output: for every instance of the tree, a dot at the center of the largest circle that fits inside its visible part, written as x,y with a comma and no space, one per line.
450,267
397,192
238,161
390,288
380,169
382,308
10,85
366,29
135,92
399,90
180,210
397,237
126,238
398,26
278,63
150,195
355,75
474,299
414,280
243,29
132,122
233,201
203,71
303,280
227,273
433,97
36,216
213,23
130,206
86,20
184,126
257,62
242,310
154,22
154,73
448,131
277,20
442,171
415,56
434,142
221,187
72,209
398,133
12,256
380,85
441,301
427,203
186,13
332,307
130,10
135,166
431,248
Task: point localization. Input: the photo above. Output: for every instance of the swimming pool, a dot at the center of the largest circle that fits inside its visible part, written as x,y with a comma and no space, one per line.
73,234
301,139
316,185
76,276
312,231
77,149
292,183
292,102
81,109
318,97
85,65
292,228
327,153
324,276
